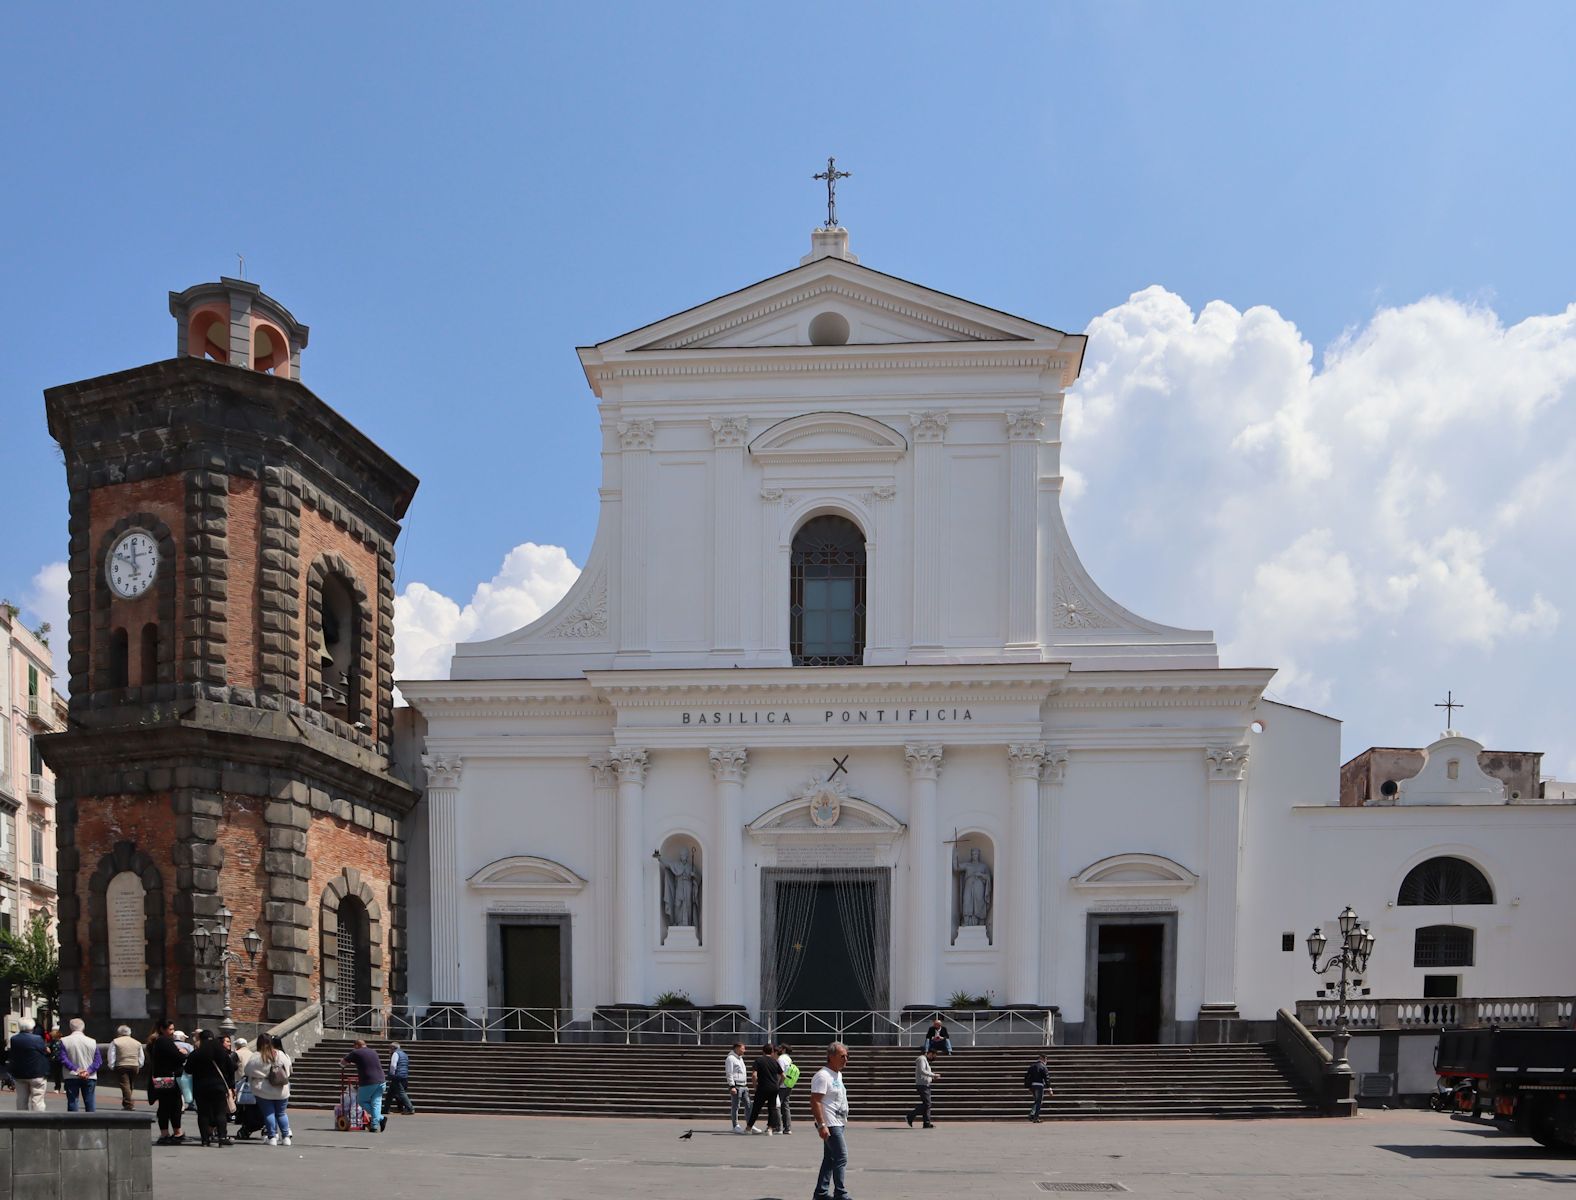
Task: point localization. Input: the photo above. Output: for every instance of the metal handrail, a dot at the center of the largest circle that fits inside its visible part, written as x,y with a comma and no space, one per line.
686,1025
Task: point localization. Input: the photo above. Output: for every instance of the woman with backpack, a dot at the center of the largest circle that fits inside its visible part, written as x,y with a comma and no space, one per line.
268,1072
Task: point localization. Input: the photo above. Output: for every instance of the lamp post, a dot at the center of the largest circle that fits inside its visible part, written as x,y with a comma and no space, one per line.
1351,956
212,944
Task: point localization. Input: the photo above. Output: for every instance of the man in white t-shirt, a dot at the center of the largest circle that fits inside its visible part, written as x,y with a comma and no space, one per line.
829,1110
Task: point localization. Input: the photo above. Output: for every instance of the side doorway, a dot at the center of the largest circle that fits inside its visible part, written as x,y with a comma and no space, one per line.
528,961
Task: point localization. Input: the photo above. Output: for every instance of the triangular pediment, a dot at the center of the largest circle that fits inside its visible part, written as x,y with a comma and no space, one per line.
877,309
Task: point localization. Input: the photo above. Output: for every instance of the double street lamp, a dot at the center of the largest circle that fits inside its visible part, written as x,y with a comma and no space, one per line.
213,949
1351,956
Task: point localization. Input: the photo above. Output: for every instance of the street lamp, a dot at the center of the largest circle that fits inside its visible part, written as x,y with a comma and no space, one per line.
212,944
1351,956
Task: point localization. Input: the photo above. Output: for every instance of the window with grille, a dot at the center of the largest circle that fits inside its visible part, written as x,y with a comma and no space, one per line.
1445,881
827,594
1443,946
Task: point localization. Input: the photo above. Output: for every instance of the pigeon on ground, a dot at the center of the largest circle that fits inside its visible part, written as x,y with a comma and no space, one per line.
686,1135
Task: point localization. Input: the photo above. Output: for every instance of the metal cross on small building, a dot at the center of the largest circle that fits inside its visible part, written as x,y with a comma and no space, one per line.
1450,705
831,175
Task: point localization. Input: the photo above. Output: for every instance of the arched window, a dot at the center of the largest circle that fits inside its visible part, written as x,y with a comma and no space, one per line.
1443,946
353,966
270,350
336,636
827,594
210,336
1445,880
119,659
150,655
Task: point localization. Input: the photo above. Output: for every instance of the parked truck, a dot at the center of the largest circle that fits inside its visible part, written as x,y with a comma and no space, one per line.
1524,1080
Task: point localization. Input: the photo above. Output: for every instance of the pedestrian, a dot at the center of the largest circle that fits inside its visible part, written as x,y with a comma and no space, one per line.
80,1060
738,1085
212,1069
57,1070
369,1083
29,1060
829,1111
937,1039
1038,1080
166,1066
767,1074
125,1058
923,1076
790,1076
182,1078
268,1073
399,1076
242,1053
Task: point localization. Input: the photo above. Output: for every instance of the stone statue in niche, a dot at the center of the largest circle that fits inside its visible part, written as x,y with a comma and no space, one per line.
974,888
680,888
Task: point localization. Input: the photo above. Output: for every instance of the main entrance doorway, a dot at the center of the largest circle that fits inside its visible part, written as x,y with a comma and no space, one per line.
826,950
528,976
1129,986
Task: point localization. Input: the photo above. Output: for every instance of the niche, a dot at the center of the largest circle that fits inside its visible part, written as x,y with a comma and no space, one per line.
973,891
679,891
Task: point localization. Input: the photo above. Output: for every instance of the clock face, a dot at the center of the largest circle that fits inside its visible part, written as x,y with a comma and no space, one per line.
133,563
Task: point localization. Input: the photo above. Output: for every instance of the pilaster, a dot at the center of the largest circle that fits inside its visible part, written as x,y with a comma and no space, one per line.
1024,761
930,432
443,792
635,438
725,894
1226,767
729,436
1023,436
629,986
925,870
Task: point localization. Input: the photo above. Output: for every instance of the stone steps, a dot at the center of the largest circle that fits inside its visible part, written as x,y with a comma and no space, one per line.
685,1082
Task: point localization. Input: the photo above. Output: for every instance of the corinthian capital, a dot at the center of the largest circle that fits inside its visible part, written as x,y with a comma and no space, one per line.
1055,769
929,426
1024,759
1227,762
443,770
728,763
730,431
604,772
630,762
1024,425
636,435
924,760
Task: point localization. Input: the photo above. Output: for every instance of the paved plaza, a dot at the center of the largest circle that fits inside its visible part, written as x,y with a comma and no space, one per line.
1380,1154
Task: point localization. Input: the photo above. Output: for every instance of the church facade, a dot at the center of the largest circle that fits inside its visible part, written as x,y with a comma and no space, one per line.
835,719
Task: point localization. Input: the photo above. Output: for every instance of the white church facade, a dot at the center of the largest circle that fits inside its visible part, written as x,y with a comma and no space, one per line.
835,719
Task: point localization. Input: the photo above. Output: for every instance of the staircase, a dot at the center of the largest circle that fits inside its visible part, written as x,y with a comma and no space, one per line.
686,1082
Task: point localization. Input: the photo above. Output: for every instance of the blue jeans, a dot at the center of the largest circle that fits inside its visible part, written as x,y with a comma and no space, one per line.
86,1088
738,1104
1039,1098
834,1163
370,1097
939,1045
275,1122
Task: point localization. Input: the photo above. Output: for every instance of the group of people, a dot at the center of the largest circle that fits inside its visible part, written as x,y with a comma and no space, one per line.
221,1078
771,1079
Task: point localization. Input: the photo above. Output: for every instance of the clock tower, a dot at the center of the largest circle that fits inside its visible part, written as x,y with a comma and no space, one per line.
228,756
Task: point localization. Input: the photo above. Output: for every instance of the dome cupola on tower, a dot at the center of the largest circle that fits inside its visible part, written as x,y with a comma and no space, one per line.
235,322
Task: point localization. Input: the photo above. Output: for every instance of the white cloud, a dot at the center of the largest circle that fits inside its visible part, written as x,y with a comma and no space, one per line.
1384,522
45,602
427,623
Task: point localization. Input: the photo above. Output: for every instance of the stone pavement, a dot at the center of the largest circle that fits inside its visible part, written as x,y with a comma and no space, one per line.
1376,1156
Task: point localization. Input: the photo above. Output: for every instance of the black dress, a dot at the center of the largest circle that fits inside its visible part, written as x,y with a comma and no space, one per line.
212,1069
165,1061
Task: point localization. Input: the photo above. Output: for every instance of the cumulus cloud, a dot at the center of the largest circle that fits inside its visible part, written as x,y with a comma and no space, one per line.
1382,521
427,623
44,602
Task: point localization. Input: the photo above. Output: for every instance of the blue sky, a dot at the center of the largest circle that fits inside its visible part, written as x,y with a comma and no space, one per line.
454,197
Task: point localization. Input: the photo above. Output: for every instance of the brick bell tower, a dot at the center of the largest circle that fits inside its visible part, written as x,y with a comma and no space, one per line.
231,667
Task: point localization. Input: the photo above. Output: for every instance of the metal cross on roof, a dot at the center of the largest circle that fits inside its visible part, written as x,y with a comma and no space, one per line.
1450,705
831,175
